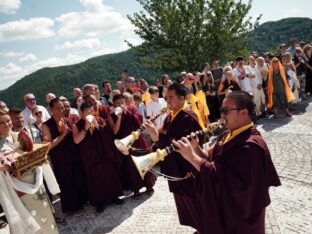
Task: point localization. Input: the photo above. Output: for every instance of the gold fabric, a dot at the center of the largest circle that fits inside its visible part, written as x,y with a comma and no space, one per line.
203,107
146,97
173,115
236,132
193,101
290,96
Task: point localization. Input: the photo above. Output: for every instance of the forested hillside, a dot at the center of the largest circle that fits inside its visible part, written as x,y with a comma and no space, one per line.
269,35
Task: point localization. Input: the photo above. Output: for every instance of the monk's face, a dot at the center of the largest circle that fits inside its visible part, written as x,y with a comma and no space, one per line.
58,109
121,102
86,112
174,102
234,118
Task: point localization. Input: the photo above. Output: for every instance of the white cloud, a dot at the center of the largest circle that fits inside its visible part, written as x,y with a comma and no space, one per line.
34,28
11,73
80,44
8,74
28,57
10,54
9,6
95,20
9,69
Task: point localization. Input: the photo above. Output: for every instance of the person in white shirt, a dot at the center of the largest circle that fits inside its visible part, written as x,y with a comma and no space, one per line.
30,103
155,106
244,75
258,94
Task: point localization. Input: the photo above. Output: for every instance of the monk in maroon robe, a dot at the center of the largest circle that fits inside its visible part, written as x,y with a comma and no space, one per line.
235,174
181,122
99,161
66,164
124,124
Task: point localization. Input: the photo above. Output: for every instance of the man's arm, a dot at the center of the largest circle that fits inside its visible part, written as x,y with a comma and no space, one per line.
47,136
185,148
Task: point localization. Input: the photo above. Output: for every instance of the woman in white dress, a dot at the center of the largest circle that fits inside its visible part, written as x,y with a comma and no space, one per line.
27,210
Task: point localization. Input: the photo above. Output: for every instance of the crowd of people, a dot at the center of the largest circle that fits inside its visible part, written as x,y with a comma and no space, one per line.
90,170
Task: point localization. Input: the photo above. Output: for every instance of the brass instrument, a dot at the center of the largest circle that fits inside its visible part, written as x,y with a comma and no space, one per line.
146,162
124,144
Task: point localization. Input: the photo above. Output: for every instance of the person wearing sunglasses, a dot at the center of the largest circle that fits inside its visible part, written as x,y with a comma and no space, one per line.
193,101
279,93
30,103
35,128
234,174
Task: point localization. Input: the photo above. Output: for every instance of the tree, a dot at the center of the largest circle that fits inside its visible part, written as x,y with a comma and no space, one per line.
182,34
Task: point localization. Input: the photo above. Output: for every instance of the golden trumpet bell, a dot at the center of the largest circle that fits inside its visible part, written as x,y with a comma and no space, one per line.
124,144
146,162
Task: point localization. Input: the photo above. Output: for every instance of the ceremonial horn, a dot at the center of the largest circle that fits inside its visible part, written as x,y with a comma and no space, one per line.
146,162
124,144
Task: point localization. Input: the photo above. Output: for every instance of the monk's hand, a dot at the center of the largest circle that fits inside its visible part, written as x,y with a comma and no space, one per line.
184,147
152,130
87,125
194,141
64,129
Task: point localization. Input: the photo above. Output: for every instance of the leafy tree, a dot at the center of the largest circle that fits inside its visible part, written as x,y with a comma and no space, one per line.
182,34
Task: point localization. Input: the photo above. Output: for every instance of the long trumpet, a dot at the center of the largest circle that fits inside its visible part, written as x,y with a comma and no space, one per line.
124,144
146,162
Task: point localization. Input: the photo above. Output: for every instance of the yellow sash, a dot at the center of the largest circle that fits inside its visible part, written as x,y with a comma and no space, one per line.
173,115
233,134
146,97
193,100
290,96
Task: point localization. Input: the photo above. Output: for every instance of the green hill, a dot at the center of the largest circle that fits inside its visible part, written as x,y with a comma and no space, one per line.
268,36
61,80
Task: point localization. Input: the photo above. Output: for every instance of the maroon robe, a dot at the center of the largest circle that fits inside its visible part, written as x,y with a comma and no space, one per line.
67,168
100,164
103,111
130,175
234,192
175,165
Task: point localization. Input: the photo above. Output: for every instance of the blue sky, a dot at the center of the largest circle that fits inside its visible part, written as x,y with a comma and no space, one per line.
48,33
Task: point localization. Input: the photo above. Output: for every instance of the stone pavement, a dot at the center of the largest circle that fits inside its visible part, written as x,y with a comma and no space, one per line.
290,143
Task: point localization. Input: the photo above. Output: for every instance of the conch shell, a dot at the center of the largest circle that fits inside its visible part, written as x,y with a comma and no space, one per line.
118,110
90,119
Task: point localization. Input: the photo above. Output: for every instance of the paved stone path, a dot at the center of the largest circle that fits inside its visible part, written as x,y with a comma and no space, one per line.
290,143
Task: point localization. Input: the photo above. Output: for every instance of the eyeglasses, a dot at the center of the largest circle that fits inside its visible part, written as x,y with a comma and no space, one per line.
225,110
38,113
275,61
30,100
